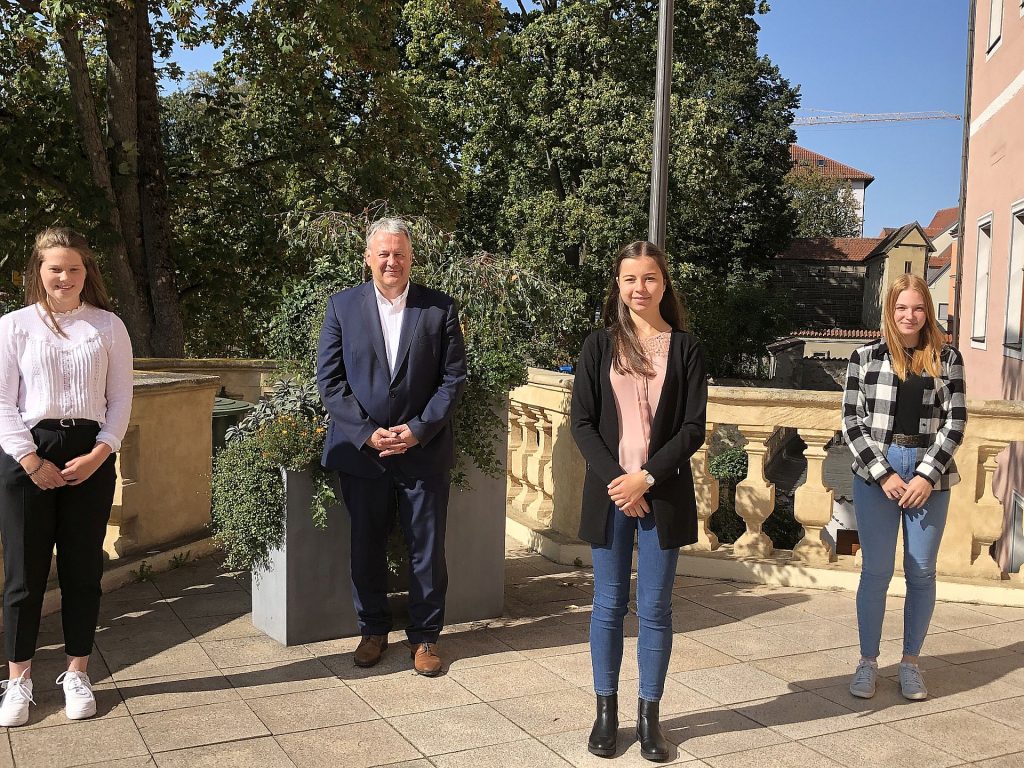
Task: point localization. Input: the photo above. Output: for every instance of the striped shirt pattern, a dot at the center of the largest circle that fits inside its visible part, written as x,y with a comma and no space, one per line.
869,409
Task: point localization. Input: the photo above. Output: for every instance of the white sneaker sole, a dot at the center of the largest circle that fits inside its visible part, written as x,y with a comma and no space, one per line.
81,713
862,694
8,722
915,696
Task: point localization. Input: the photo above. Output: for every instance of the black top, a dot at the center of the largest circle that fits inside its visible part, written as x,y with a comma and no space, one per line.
909,404
676,433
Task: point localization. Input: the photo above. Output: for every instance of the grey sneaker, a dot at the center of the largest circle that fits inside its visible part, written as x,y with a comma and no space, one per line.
863,683
911,684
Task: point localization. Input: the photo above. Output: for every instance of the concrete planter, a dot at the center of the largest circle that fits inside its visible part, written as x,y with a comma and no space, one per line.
306,594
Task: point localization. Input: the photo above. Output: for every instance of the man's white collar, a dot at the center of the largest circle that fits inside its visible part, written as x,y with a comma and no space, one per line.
382,299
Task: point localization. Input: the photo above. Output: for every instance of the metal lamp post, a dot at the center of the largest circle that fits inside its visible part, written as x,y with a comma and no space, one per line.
662,123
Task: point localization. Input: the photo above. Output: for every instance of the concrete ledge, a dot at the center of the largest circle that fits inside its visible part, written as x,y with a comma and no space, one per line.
775,570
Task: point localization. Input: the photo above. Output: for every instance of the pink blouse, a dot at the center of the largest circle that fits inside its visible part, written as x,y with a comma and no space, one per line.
636,401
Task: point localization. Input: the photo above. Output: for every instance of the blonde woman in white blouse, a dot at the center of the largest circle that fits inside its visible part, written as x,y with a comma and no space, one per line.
65,401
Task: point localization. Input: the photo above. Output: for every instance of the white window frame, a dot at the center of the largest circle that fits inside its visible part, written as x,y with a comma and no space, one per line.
979,320
942,313
995,25
1013,338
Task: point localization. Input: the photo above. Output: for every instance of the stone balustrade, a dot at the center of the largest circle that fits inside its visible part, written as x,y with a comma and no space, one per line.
545,471
245,380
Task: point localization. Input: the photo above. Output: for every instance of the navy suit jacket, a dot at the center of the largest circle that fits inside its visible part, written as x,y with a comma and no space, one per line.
360,393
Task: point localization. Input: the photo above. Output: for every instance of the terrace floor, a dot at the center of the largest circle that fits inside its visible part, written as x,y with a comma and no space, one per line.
758,678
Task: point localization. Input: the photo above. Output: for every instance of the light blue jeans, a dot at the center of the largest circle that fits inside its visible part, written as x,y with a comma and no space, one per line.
878,522
656,570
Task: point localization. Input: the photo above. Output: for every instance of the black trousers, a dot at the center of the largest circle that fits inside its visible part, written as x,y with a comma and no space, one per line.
73,519
422,514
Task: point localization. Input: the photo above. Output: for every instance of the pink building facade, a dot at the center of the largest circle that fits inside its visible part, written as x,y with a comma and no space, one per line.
991,307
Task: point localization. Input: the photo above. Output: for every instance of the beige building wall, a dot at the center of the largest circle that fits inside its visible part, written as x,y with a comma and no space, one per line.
993,258
909,256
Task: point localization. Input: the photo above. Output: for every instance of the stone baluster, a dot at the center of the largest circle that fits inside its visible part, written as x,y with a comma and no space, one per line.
527,446
706,489
812,504
539,507
515,451
755,496
987,514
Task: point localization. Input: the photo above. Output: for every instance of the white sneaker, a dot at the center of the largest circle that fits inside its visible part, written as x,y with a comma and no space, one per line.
863,683
17,697
79,703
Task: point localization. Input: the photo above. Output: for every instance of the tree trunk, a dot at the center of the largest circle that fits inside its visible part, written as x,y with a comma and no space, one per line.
129,169
133,308
168,337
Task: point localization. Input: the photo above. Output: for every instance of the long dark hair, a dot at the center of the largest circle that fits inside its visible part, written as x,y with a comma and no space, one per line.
93,292
629,353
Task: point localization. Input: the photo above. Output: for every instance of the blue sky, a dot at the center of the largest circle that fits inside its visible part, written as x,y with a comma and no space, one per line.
864,56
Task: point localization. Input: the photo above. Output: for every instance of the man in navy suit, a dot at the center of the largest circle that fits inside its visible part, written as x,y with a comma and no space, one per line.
391,366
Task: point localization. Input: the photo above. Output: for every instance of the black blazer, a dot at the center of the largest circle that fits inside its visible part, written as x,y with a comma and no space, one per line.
361,394
676,434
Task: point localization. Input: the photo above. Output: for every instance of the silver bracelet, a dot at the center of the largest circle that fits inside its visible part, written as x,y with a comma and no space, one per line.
41,462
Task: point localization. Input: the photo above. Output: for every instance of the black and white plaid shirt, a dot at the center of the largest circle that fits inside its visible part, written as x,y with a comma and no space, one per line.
869,409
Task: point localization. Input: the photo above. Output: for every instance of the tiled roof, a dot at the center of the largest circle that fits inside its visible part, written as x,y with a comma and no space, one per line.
835,333
803,157
854,249
941,259
942,221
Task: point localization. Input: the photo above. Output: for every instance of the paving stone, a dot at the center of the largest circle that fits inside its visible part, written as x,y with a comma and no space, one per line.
155,694
137,661
803,715
207,628
879,746
77,743
545,713
246,651
509,680
733,684
453,730
263,752
792,755
518,754
963,734
49,708
717,731
412,693
196,726
308,710
359,745
281,677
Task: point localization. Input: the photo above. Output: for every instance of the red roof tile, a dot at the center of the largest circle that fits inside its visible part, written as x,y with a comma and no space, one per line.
855,249
803,157
941,259
942,221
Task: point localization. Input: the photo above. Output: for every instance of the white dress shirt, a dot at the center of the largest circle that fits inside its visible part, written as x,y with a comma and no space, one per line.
87,375
391,314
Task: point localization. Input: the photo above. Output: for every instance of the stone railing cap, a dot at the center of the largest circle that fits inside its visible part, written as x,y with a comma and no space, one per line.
158,379
176,363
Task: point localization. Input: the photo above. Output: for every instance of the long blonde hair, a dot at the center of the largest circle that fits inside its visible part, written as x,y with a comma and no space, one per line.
927,357
93,292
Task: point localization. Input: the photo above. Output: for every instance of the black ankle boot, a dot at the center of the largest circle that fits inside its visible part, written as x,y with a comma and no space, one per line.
606,726
653,745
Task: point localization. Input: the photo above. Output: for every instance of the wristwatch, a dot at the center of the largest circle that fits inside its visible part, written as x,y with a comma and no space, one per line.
648,477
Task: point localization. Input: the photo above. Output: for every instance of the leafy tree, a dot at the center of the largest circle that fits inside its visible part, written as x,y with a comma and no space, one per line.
94,66
823,206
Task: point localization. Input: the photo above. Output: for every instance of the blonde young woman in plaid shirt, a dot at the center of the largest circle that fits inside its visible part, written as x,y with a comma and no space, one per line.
904,412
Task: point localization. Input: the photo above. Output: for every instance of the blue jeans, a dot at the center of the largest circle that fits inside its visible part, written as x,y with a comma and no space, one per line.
656,570
878,522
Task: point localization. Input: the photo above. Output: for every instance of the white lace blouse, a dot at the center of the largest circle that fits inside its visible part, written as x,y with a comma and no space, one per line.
87,375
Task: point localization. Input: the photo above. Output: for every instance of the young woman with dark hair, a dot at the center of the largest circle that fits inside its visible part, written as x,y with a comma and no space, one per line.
65,401
638,415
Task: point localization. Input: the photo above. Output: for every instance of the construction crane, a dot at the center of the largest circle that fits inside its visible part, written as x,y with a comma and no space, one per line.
830,117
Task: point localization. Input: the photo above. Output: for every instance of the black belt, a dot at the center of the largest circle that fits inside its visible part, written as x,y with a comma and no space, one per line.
66,423
910,441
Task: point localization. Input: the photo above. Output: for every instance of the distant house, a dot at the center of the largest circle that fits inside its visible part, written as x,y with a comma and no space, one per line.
943,232
858,180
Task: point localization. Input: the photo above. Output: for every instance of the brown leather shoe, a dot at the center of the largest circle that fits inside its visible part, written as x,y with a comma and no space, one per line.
370,649
425,659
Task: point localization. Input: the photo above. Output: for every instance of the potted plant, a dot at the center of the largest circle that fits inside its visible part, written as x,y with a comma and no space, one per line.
274,510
